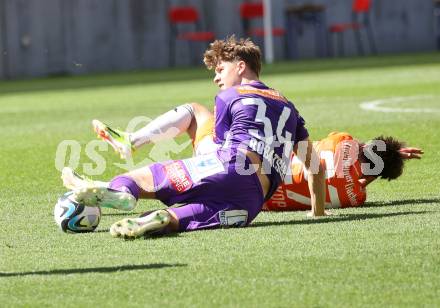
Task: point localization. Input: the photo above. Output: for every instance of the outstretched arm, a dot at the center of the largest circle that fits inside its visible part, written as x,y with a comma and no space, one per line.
316,176
405,153
410,153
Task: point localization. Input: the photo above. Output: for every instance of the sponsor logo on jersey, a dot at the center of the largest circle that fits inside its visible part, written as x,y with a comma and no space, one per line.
177,176
203,166
346,168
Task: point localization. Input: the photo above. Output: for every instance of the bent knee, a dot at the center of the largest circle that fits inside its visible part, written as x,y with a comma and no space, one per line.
143,178
201,113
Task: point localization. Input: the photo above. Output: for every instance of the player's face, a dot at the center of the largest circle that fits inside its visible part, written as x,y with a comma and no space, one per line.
227,74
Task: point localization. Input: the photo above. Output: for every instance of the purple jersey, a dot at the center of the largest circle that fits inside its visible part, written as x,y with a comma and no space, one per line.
257,118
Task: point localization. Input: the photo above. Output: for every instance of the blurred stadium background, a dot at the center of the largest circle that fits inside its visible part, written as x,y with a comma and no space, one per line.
58,37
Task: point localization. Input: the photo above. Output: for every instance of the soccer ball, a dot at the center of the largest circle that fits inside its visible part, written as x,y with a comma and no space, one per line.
73,217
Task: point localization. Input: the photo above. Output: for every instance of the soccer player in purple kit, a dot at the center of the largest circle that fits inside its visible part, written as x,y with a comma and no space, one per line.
256,129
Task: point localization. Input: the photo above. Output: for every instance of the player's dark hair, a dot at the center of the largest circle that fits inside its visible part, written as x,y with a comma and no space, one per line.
393,161
232,49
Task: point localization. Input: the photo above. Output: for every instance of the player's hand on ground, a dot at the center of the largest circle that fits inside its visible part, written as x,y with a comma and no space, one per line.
410,153
311,215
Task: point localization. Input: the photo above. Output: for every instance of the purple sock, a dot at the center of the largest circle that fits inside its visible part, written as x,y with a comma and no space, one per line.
125,184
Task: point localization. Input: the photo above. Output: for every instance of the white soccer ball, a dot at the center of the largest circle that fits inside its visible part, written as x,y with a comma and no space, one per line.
73,217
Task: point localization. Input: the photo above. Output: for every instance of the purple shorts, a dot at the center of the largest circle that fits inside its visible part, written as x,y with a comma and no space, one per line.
213,194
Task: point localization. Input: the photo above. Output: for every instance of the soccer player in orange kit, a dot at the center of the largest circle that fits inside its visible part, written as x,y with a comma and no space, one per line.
347,164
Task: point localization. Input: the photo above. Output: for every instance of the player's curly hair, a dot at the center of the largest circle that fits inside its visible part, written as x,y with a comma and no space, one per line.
393,161
231,49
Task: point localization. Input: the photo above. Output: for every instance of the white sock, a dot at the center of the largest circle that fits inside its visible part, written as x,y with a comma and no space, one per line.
166,126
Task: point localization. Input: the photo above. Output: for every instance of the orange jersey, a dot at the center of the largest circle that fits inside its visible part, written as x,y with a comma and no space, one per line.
338,153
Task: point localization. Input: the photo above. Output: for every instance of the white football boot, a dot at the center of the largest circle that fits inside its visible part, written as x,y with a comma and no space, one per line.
98,196
73,180
96,193
118,139
130,228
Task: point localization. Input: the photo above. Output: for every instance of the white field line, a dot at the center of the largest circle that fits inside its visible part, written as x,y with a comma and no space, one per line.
377,105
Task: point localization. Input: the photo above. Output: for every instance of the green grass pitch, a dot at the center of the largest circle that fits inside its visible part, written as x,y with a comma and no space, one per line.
384,254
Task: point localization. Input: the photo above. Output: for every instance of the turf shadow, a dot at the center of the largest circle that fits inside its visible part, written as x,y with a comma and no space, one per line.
110,269
139,214
99,231
401,202
146,237
162,236
128,214
330,219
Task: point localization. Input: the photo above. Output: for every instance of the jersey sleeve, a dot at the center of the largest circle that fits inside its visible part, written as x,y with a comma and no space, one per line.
222,119
301,130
